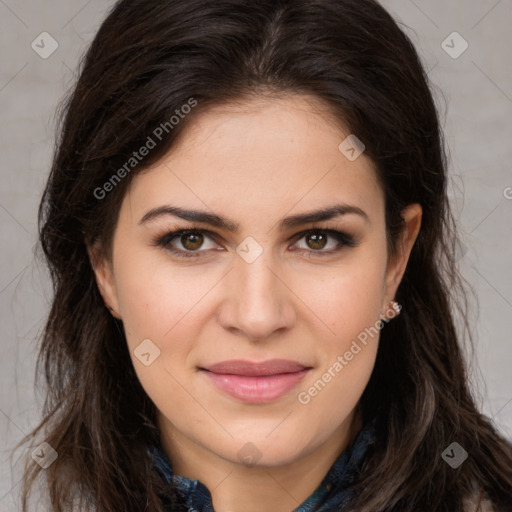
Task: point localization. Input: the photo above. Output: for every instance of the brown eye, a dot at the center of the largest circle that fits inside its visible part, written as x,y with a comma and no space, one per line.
187,242
192,241
320,242
316,241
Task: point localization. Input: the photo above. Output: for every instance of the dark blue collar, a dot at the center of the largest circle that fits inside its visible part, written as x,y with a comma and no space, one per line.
331,494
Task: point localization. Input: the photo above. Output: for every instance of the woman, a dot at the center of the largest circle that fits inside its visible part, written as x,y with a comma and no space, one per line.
253,258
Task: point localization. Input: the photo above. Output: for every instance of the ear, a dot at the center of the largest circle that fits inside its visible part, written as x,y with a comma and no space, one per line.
104,275
396,266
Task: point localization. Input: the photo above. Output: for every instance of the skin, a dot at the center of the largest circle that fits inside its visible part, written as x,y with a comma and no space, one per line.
254,163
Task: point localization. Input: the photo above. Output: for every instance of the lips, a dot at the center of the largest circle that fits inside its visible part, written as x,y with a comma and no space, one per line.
250,369
255,383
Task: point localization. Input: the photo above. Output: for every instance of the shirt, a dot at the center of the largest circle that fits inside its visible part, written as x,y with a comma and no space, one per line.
332,493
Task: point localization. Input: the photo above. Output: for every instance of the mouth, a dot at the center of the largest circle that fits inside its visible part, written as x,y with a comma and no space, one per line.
256,382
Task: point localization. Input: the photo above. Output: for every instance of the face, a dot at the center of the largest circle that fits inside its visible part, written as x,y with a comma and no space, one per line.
263,285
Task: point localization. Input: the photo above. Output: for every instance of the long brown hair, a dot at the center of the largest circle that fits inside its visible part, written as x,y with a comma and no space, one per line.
148,59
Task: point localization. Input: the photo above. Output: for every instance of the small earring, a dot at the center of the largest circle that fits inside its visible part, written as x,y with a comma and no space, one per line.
392,312
396,308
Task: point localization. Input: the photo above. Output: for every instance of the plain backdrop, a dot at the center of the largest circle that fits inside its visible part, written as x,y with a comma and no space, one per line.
473,89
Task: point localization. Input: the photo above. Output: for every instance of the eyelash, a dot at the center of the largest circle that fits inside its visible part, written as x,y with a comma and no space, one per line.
164,241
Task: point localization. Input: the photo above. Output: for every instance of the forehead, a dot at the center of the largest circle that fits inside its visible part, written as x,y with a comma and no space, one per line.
265,156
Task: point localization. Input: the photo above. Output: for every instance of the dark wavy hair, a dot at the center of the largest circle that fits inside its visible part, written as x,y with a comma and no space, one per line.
148,59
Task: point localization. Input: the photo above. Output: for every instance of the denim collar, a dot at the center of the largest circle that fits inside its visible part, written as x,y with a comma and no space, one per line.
331,494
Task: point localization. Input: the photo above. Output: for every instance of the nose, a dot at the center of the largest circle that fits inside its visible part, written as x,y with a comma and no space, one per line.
257,302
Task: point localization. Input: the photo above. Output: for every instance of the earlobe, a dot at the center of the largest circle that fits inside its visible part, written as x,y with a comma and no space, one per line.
103,273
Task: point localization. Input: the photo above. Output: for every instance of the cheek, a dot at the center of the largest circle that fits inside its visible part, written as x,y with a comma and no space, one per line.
346,362
157,298
349,304
335,390
164,304
348,300
155,307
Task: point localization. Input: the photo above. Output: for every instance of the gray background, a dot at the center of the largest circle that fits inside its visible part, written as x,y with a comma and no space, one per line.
477,87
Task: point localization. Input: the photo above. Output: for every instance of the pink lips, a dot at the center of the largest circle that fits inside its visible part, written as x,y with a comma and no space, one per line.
256,382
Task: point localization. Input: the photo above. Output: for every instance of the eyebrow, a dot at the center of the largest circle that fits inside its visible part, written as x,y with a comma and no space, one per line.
327,213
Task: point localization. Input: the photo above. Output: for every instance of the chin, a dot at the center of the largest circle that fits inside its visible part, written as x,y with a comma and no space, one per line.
262,451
